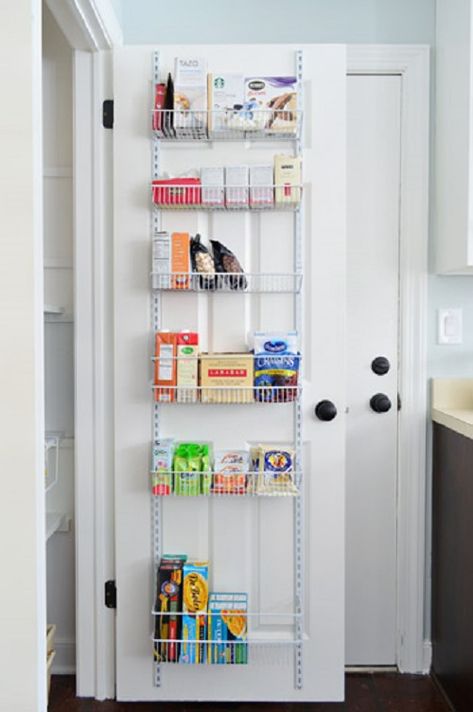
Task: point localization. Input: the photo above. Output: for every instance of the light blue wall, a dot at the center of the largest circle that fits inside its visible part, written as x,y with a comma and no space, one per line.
346,21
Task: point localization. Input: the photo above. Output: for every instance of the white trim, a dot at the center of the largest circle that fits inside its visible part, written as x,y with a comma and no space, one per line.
412,63
427,657
88,25
64,662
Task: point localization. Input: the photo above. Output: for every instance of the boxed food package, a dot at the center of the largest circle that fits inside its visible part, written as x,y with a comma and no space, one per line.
159,102
185,190
192,469
213,186
228,628
168,607
287,177
275,469
190,97
180,260
225,97
165,372
194,620
161,259
274,103
231,468
261,185
276,366
219,372
161,467
236,186
187,345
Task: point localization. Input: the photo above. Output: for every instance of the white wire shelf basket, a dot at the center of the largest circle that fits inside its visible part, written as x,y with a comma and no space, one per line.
229,282
226,395
168,195
217,652
227,125
215,484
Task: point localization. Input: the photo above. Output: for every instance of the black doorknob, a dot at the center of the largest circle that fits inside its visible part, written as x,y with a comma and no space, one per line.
380,365
325,410
380,403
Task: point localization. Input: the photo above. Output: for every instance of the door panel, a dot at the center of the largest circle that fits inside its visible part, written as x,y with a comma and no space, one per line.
249,543
373,175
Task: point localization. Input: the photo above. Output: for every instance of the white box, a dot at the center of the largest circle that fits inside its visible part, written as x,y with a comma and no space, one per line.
274,103
236,186
287,178
190,95
213,186
225,95
161,259
261,185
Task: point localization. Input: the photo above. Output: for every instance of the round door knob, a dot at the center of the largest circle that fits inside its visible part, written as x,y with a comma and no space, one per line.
380,365
325,410
380,403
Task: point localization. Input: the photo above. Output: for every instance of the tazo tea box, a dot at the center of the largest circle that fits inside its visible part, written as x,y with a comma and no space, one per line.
228,377
187,366
190,97
165,378
225,95
180,260
168,607
228,628
194,620
213,186
236,186
261,186
287,177
161,260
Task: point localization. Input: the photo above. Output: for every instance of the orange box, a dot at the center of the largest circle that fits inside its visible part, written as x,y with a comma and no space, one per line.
180,260
165,367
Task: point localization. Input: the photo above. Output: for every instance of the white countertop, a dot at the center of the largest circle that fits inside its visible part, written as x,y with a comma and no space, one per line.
452,404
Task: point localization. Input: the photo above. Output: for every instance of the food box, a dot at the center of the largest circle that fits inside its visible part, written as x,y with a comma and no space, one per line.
213,186
165,372
226,378
275,467
236,186
177,191
273,101
228,628
225,98
161,467
168,607
261,186
159,102
230,471
194,619
276,366
287,177
161,259
187,345
180,260
190,97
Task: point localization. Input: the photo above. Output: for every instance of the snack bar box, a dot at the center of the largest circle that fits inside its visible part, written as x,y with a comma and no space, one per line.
177,191
226,371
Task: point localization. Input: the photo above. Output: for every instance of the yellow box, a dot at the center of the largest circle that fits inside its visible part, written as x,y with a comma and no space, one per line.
230,377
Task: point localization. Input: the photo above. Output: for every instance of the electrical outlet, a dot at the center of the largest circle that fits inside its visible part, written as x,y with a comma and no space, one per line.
450,326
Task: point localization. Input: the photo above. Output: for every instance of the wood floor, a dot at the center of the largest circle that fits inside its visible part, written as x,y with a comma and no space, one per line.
365,692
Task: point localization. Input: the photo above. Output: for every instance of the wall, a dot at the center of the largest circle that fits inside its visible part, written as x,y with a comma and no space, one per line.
22,604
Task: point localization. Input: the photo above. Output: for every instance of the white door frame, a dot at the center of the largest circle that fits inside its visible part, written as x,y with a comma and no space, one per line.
411,62
92,30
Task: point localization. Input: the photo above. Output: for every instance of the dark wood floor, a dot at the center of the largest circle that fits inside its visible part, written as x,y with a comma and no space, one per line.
365,692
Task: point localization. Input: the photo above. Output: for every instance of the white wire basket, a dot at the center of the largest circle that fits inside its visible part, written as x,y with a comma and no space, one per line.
230,652
220,395
212,484
230,282
227,125
174,195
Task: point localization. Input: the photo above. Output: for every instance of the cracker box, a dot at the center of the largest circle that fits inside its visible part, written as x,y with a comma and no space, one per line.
187,346
273,101
168,621
213,186
190,97
161,467
165,372
261,186
194,619
236,186
287,177
230,471
225,97
228,377
228,628
180,260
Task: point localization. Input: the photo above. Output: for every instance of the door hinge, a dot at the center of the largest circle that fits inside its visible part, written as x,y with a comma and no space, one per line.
399,404
110,594
107,114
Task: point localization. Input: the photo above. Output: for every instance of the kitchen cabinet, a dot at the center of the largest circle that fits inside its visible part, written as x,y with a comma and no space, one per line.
453,203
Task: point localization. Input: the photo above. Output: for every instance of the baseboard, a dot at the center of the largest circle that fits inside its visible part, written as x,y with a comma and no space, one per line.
65,660
427,657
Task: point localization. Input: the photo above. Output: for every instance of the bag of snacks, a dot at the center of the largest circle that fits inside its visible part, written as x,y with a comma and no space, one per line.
202,263
225,261
275,467
192,471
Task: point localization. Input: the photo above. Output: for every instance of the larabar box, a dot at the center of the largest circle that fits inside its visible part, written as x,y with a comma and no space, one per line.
194,619
180,260
226,378
168,607
187,366
165,371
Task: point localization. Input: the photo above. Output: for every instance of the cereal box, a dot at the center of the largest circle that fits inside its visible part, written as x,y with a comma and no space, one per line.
165,367
194,619
180,260
161,467
168,621
228,628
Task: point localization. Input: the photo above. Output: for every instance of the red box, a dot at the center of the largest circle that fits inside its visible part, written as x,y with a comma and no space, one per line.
177,191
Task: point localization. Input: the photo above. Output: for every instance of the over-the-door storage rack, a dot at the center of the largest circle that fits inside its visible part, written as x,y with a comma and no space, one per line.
289,283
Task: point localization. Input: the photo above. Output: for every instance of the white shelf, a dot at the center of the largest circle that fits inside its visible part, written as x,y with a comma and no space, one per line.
56,522
231,283
179,196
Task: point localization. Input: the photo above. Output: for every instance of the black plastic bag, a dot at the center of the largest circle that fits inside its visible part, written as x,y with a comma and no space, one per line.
225,261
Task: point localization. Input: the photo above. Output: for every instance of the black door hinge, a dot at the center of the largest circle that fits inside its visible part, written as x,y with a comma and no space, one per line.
107,114
399,404
110,594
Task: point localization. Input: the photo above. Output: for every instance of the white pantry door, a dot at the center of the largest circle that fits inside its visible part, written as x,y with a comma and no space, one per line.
249,542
